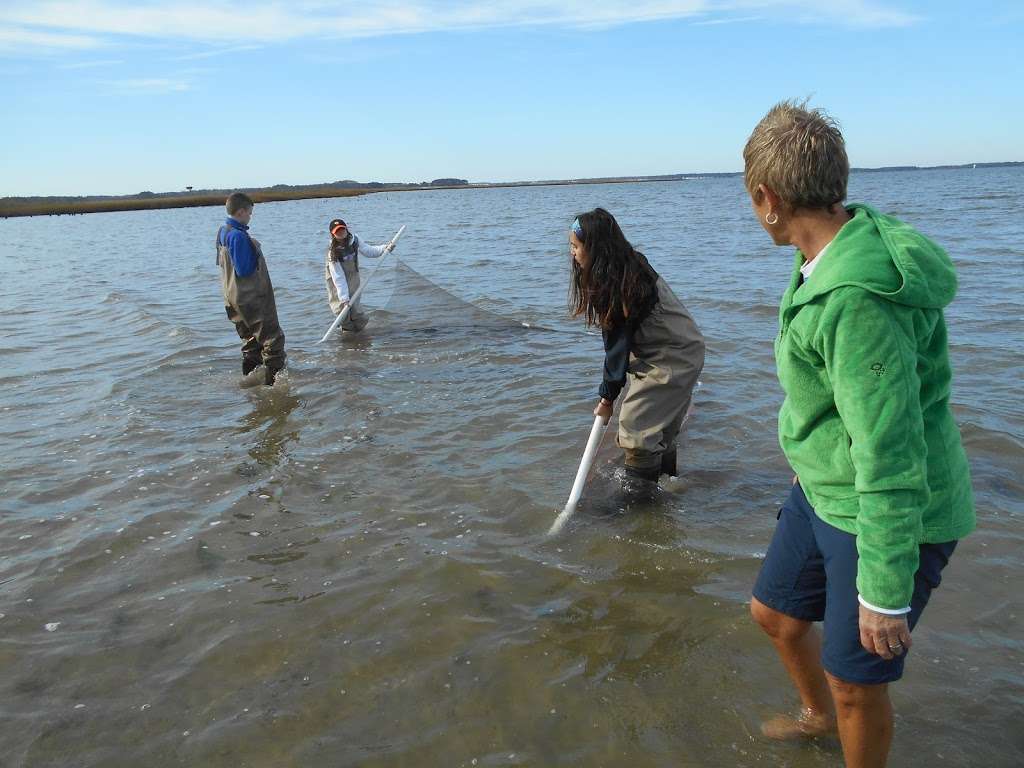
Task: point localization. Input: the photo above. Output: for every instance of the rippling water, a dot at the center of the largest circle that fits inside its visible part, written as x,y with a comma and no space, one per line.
350,569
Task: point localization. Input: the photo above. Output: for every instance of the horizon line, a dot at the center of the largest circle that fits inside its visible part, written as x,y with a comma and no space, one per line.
373,185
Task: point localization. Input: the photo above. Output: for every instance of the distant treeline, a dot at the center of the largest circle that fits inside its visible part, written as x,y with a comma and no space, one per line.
192,198
726,174
48,206
936,167
42,206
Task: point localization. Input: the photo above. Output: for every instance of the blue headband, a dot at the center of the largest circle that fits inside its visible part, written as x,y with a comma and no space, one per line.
577,229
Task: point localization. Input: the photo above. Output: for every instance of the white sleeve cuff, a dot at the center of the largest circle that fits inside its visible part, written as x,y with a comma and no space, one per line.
886,611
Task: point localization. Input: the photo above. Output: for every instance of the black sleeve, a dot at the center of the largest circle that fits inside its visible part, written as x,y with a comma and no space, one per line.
617,344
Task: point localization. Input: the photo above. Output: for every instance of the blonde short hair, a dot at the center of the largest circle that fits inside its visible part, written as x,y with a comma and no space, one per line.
800,154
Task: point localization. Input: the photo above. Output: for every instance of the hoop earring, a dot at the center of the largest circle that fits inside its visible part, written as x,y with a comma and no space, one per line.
771,218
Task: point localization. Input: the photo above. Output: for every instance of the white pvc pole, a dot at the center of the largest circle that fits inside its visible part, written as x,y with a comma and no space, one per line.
355,296
596,433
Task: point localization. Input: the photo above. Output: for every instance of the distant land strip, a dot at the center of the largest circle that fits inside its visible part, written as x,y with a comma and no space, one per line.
49,206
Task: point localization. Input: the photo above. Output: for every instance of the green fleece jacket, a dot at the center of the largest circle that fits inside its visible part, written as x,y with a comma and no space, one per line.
863,359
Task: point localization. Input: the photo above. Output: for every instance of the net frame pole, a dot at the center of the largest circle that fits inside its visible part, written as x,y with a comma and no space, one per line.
593,443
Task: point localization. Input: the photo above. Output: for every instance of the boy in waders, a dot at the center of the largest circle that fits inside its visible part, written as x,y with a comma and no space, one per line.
649,339
341,271
248,292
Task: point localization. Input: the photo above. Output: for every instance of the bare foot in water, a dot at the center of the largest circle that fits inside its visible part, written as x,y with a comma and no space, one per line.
806,725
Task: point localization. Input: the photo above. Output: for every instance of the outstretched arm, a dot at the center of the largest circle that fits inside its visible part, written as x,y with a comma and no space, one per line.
373,251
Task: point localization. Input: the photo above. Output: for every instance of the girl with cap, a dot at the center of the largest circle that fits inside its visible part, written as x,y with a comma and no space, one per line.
341,271
649,339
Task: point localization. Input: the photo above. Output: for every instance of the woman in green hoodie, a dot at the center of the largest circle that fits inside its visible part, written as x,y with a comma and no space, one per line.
882,492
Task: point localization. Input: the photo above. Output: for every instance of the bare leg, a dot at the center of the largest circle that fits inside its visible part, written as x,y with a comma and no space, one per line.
865,722
799,648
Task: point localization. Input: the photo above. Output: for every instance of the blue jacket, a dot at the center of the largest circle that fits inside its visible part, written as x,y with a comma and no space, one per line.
235,237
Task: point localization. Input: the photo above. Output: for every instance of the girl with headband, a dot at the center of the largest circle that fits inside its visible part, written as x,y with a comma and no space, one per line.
650,340
341,271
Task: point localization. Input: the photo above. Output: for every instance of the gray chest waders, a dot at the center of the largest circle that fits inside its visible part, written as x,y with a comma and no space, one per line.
667,358
357,319
249,303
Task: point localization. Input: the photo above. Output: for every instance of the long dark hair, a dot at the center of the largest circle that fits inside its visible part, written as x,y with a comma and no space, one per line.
618,282
338,247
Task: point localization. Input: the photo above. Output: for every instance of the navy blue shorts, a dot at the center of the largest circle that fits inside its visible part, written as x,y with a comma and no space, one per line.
810,573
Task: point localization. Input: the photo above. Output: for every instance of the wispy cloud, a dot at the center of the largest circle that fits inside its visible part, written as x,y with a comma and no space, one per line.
16,38
148,85
92,64
728,20
69,23
855,13
216,52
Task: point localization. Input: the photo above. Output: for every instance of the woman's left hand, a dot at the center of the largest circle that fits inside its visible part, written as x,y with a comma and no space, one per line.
604,409
884,635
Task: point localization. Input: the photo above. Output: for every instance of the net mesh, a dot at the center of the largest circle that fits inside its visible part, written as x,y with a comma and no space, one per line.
426,328
417,305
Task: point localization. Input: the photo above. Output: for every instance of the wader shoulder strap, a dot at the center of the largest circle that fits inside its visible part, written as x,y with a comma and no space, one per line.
217,244
222,234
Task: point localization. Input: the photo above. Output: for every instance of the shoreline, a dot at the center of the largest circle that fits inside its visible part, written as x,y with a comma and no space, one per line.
134,203
113,205
23,207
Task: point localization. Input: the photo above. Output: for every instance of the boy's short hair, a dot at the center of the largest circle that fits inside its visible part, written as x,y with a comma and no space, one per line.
799,153
237,201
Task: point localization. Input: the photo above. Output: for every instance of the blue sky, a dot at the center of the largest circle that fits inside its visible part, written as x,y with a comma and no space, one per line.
120,96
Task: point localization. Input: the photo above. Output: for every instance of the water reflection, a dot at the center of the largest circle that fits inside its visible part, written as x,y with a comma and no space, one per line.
269,417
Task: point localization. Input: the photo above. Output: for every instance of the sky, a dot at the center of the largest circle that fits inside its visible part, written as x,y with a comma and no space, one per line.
123,96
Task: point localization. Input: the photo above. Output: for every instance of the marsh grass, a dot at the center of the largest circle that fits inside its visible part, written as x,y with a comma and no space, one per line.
61,206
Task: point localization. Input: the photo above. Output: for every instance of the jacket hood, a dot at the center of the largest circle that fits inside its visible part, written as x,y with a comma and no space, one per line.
885,256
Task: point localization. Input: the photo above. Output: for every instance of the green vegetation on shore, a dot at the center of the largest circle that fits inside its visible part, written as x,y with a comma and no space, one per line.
147,201
10,207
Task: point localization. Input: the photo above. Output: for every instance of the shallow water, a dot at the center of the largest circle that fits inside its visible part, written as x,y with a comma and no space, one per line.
350,569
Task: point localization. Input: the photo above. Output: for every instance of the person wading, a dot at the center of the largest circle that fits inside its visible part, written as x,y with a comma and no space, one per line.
341,272
248,292
883,490
650,339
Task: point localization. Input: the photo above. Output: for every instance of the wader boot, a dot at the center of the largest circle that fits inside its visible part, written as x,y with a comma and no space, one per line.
638,473
640,480
249,303
638,487
668,462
